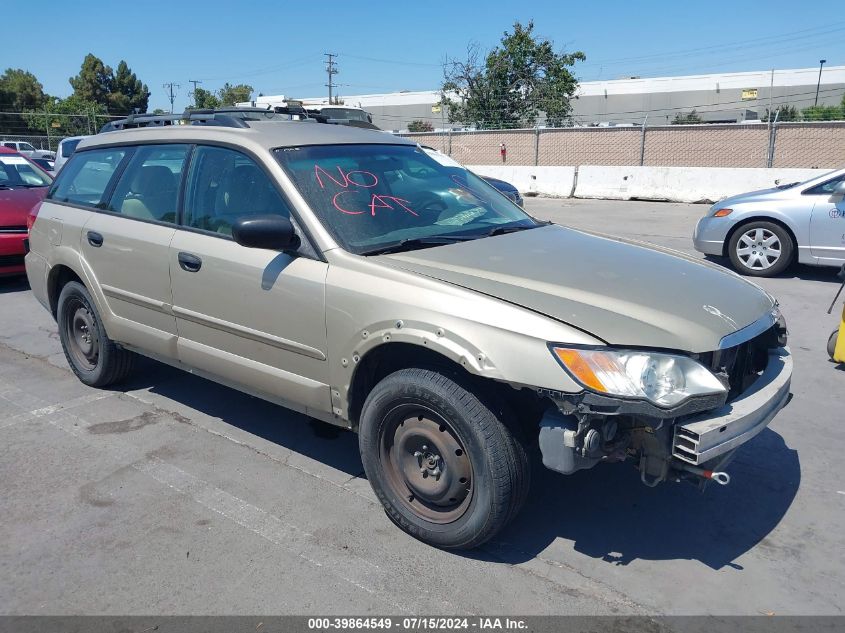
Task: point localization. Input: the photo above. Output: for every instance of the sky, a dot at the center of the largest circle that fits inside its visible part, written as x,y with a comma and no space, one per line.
278,47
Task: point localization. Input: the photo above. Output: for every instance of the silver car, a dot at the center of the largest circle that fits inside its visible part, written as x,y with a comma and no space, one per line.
352,276
764,232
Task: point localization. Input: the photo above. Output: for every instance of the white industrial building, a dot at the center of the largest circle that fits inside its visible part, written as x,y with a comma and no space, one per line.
723,97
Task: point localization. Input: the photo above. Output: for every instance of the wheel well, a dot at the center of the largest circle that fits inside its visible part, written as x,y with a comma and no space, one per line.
761,218
59,276
391,357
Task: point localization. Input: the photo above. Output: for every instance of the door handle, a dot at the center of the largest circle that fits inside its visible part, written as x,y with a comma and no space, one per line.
95,239
189,262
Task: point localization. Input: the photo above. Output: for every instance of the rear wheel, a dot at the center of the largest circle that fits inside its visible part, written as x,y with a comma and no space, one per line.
831,343
761,249
444,464
92,355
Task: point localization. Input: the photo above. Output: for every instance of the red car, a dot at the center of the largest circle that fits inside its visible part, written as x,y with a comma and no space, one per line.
23,185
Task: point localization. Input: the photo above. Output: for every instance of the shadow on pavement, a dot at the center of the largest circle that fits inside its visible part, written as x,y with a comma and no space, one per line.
328,444
606,512
13,284
796,271
609,515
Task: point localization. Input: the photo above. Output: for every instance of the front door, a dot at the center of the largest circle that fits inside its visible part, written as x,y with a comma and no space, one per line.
254,317
827,224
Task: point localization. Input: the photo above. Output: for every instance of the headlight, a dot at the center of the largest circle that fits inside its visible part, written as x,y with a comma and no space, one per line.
663,379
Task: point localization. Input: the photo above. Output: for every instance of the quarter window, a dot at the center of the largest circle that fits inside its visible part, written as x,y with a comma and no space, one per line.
224,185
149,188
86,177
825,189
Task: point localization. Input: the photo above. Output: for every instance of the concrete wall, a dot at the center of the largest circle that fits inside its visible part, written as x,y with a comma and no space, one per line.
613,182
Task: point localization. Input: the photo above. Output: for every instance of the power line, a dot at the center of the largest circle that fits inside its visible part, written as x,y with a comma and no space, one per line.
194,91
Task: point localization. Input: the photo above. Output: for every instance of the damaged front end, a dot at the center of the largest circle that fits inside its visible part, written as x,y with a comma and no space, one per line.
693,440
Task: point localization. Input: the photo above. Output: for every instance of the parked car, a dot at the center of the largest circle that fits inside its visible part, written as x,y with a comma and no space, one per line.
44,163
67,146
279,258
26,149
22,187
503,187
764,232
506,189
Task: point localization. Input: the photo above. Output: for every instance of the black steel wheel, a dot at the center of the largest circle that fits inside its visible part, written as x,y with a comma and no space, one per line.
441,458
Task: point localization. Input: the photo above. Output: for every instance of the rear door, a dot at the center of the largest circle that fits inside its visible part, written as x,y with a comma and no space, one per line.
254,317
126,246
827,223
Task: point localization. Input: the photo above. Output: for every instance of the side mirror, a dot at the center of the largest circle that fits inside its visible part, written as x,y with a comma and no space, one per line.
270,231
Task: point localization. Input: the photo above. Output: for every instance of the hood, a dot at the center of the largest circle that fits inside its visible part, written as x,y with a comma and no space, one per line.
772,193
15,204
622,292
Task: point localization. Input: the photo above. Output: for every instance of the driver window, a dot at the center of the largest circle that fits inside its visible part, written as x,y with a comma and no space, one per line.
224,185
826,189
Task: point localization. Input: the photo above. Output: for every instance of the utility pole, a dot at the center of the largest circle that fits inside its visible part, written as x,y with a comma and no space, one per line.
822,62
171,88
331,70
194,92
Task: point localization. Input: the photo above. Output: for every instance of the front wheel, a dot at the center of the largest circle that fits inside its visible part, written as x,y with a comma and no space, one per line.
761,249
443,463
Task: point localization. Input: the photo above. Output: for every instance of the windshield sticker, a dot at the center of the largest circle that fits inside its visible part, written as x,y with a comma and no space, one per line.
464,217
444,160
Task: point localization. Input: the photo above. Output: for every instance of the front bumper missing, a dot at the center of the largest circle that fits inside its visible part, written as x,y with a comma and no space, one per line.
706,436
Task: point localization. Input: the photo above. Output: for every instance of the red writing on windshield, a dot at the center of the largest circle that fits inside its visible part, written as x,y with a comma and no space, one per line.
353,182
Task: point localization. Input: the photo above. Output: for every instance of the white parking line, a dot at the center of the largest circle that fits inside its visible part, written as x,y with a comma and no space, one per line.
26,416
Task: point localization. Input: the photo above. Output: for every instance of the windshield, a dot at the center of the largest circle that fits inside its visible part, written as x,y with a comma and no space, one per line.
16,171
347,114
372,196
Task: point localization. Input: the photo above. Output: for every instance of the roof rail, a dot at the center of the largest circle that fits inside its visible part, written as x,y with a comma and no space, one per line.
188,117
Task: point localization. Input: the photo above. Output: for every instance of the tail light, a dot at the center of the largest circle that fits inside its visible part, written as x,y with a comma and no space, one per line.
33,214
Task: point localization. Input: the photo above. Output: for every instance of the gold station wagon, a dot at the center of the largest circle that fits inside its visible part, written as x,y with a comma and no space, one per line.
374,284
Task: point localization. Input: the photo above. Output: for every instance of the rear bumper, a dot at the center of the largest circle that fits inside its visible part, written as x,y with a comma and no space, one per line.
708,436
12,253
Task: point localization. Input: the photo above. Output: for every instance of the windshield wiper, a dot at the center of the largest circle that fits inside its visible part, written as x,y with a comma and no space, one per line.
415,243
501,230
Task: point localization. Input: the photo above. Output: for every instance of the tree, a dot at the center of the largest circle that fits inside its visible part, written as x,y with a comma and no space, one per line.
128,93
782,113
94,81
229,95
19,91
824,113
204,99
73,116
418,125
518,79
687,118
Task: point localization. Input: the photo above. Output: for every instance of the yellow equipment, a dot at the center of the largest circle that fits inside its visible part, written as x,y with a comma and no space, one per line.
836,342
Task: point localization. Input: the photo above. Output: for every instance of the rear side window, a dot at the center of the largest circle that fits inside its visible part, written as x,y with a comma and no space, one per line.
69,147
149,187
86,177
225,185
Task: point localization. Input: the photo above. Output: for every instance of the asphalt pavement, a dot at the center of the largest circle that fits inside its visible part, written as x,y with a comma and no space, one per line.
173,495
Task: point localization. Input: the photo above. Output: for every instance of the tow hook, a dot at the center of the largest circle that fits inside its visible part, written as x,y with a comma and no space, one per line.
721,478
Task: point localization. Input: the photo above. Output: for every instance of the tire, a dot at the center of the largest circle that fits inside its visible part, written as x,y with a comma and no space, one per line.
761,249
442,459
95,359
831,343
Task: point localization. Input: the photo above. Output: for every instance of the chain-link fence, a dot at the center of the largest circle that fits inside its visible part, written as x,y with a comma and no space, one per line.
44,130
811,145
